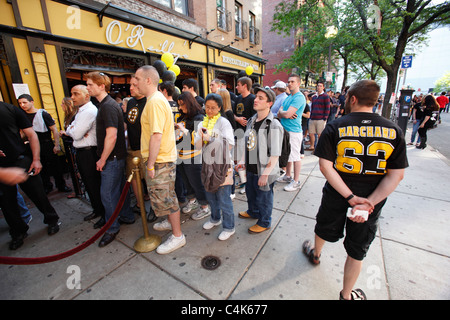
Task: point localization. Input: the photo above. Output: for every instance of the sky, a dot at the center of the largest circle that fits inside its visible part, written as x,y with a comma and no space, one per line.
431,62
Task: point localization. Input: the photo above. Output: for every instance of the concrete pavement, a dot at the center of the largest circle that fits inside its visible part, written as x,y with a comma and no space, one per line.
409,259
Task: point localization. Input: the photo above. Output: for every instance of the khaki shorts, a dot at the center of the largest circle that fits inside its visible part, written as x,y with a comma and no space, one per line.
161,189
316,126
130,166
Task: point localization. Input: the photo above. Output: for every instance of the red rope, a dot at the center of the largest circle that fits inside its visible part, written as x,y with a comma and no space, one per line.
41,260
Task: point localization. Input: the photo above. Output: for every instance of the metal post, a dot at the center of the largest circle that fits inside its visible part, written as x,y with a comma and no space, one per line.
147,242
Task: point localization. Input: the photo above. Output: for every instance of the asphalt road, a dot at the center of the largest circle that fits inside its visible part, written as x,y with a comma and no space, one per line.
439,138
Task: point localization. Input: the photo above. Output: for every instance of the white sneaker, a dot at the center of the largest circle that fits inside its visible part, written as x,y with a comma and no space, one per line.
232,196
285,179
292,186
191,206
209,225
172,243
162,226
225,235
201,213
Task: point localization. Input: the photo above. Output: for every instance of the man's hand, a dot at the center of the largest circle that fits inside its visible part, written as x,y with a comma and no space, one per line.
242,121
12,176
262,181
100,164
359,203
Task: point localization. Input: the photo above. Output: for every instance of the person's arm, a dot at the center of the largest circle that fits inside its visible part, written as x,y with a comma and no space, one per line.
389,183
422,125
110,143
262,181
288,113
154,146
35,150
12,176
335,180
56,148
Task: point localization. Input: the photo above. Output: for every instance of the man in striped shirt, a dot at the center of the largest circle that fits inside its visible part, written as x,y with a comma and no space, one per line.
320,110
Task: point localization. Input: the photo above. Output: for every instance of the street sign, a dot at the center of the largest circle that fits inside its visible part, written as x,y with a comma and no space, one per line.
406,62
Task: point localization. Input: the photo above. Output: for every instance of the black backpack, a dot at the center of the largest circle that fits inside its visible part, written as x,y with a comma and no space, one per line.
285,148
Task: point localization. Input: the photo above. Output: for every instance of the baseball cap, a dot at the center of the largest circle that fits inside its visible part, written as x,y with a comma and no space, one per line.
279,84
270,94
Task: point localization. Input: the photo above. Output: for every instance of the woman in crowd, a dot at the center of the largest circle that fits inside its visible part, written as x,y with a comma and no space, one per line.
190,165
417,116
431,114
215,138
69,115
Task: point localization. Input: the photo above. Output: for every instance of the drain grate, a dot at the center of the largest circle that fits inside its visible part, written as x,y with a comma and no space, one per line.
210,262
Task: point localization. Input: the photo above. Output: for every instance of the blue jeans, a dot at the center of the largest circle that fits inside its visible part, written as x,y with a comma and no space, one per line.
260,203
414,131
113,181
221,201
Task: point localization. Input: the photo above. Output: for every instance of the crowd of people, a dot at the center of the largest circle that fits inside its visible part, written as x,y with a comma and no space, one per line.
191,148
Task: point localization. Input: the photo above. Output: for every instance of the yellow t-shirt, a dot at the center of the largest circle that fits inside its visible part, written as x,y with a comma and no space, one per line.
157,117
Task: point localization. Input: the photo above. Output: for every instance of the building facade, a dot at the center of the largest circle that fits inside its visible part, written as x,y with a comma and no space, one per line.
47,46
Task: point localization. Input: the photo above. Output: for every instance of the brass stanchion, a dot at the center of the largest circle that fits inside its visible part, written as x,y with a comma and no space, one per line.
147,242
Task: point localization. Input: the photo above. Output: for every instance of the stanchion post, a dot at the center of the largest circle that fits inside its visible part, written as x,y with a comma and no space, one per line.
147,242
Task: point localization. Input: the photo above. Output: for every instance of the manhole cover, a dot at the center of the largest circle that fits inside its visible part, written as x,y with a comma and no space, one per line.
210,262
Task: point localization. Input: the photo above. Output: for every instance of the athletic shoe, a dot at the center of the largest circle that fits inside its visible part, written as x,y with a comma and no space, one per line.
209,225
225,235
284,179
292,186
356,294
201,213
172,243
162,226
191,206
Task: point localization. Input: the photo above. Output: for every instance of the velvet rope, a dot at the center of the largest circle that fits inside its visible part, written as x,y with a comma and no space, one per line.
42,260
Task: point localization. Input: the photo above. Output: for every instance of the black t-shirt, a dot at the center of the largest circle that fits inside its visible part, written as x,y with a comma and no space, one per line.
110,115
419,111
48,120
133,121
305,120
251,150
12,119
200,100
434,115
244,108
362,146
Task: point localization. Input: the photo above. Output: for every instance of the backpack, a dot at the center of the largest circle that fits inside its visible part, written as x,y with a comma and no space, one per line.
285,148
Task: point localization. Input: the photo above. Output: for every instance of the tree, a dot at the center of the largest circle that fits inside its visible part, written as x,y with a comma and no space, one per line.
379,30
443,83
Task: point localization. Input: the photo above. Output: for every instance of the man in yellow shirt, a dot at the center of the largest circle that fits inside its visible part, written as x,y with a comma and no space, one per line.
159,152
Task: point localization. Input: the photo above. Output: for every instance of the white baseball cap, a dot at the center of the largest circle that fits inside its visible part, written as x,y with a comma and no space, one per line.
279,84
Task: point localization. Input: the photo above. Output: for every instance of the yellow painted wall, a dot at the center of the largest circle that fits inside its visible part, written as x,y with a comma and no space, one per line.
24,59
55,74
7,14
70,22
31,14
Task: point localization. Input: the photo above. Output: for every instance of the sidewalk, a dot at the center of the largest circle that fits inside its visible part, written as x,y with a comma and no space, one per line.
409,259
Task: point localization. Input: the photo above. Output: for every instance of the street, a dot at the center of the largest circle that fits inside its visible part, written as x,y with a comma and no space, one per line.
439,138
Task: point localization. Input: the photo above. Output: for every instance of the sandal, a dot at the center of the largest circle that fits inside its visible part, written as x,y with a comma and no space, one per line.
356,294
308,250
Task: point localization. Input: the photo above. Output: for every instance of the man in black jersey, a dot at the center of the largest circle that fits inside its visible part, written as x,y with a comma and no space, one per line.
363,157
